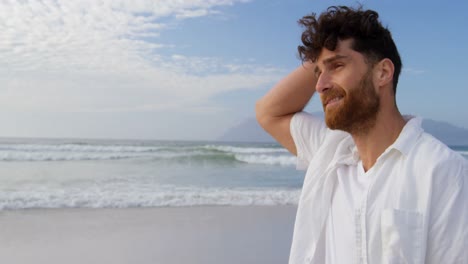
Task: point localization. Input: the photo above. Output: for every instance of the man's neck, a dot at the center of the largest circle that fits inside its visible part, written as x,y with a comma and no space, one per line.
376,140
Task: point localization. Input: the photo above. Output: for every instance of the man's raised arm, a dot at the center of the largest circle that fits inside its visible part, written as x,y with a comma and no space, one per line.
275,110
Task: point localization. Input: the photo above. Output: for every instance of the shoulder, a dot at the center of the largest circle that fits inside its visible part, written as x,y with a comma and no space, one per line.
435,158
312,130
315,141
433,150
304,120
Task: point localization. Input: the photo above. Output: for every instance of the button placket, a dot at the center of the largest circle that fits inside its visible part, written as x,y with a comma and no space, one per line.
363,216
363,232
357,224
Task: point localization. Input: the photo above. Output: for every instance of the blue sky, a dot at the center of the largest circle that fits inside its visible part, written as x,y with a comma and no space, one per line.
192,69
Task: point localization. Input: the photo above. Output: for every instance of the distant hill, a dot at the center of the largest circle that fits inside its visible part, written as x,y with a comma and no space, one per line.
250,131
247,131
445,132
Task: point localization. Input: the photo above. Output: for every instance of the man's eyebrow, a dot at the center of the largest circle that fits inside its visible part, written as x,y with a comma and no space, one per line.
334,58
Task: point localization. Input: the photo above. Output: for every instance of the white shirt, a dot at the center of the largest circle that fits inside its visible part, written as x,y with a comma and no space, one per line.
414,210
352,182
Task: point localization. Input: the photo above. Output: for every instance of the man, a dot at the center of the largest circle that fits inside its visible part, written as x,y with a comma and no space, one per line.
377,188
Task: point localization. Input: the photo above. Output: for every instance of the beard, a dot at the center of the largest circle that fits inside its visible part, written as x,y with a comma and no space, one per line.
357,111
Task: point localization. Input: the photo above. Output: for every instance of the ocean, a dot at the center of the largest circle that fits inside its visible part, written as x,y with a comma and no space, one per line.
77,173
64,173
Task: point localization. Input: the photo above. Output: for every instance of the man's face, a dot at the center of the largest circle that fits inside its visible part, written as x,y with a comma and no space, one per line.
358,110
348,95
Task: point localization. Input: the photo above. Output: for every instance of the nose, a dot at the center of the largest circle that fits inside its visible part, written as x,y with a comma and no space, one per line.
323,83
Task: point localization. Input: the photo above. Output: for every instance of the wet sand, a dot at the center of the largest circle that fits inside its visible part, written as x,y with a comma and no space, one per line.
208,235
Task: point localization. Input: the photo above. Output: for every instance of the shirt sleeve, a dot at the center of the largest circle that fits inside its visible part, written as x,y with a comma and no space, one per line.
448,228
308,132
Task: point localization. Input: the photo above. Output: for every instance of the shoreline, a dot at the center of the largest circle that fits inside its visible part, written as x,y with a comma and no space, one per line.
202,234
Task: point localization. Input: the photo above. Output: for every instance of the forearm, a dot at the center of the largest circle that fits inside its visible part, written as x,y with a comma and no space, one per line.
290,95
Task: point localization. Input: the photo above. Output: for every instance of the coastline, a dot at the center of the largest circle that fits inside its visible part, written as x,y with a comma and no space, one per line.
204,234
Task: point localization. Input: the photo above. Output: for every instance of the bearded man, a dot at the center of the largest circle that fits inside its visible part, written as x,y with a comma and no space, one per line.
378,189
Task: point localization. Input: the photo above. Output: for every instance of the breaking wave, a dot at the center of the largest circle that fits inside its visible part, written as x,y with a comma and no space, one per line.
183,154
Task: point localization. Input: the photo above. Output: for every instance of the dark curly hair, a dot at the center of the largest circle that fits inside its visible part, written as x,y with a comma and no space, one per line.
340,23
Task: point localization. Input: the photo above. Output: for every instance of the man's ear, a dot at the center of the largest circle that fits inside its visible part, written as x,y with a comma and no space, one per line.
384,72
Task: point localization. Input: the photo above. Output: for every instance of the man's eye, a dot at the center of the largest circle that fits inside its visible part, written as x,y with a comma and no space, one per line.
336,66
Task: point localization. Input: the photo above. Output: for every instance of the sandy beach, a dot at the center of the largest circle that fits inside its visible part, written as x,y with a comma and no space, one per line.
244,234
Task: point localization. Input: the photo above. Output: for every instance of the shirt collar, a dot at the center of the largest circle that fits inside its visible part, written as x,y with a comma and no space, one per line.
408,135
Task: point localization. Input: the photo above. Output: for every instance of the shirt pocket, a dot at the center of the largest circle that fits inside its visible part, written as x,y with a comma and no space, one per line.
402,236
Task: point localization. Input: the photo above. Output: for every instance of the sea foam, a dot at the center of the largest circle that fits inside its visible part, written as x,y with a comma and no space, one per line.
102,197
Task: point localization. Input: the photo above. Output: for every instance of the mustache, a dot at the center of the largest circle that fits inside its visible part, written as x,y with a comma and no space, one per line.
332,93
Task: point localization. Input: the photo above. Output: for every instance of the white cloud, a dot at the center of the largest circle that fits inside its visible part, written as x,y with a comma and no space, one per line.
193,13
61,55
